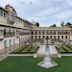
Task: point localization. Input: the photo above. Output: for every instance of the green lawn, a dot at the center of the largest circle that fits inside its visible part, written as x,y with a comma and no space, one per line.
29,64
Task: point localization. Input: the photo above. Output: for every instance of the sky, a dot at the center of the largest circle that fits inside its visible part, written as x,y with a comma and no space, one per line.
46,12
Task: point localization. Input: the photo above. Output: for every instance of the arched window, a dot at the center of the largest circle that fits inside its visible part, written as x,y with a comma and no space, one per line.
9,31
62,37
4,31
66,32
31,37
4,14
13,41
58,37
5,43
10,42
43,37
39,37
32,32
1,13
43,32
50,37
35,37
66,37
35,32
54,37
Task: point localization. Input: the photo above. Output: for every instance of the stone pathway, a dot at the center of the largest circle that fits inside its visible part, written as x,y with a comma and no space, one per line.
66,54
51,48
20,54
41,50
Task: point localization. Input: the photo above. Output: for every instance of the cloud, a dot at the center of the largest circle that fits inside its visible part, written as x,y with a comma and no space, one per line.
58,11
30,2
45,11
22,2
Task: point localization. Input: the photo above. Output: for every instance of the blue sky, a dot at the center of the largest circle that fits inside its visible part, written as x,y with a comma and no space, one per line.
46,12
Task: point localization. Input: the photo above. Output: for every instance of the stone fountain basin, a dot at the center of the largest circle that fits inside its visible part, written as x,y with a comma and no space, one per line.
47,65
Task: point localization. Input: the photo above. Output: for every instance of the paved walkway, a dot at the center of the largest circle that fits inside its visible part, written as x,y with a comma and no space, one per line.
51,48
66,54
20,54
33,54
41,50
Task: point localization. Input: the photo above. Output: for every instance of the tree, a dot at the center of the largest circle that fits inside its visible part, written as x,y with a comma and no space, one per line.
37,24
54,25
68,24
62,24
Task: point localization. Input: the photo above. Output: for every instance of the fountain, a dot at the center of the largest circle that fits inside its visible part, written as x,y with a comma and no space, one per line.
47,61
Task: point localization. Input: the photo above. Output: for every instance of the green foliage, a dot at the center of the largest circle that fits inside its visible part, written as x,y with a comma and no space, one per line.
26,49
65,48
68,24
37,24
54,25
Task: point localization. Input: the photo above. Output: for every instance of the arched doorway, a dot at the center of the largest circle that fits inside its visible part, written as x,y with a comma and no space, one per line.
5,44
9,42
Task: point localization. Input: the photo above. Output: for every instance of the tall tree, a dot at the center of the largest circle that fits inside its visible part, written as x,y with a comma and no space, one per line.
37,24
68,24
54,25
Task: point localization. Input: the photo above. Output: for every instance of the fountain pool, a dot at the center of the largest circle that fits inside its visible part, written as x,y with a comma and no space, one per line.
47,61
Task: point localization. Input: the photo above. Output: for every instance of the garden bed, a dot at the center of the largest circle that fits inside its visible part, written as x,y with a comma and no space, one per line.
27,49
65,48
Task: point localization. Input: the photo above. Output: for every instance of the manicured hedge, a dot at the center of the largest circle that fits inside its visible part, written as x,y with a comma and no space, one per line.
65,48
26,49
20,49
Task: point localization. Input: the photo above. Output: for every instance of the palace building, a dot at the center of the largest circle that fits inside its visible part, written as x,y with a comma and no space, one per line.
17,31
54,33
13,29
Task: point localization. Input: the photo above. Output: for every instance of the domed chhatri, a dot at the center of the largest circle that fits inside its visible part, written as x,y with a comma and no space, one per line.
47,61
